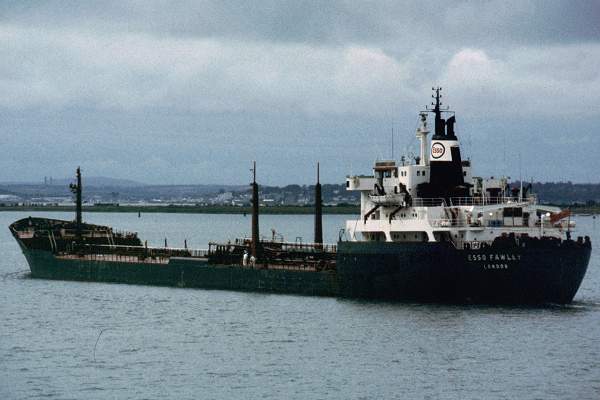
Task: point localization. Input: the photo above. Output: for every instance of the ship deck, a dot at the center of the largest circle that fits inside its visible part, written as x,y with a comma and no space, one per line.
202,261
115,258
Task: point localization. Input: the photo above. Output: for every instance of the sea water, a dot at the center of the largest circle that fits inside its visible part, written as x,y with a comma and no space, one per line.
77,340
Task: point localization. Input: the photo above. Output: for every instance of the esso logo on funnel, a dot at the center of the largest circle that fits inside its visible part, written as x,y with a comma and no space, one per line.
441,150
437,150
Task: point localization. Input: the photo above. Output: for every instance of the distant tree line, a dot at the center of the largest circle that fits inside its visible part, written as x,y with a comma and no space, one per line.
568,193
564,193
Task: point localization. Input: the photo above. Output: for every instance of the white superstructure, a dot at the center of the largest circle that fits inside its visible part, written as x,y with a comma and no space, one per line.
393,208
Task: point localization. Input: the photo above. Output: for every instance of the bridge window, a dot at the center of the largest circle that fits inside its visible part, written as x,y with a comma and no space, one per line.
376,236
512,212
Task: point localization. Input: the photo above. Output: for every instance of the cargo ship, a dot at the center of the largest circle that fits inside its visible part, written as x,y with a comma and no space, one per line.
428,231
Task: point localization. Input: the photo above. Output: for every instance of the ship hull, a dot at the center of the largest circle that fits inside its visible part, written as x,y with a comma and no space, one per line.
423,272
438,272
190,273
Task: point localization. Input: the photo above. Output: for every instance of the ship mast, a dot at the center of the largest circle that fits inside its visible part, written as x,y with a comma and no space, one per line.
318,211
76,189
254,185
422,132
439,122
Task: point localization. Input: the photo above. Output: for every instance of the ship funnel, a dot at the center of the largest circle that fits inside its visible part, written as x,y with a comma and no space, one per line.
446,177
76,189
440,123
450,127
318,211
255,238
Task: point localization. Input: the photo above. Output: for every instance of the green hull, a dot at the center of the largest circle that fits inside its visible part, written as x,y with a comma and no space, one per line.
195,273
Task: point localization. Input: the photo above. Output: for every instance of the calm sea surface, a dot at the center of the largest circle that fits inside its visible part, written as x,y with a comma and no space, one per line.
154,342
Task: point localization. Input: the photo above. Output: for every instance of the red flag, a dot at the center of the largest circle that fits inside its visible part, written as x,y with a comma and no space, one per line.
555,217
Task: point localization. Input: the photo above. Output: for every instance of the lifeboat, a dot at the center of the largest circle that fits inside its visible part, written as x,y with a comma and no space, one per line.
392,199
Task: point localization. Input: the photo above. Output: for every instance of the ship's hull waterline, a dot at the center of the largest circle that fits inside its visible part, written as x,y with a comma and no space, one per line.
435,272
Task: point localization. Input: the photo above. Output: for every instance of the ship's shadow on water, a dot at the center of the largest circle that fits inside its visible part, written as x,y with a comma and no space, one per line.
572,308
577,306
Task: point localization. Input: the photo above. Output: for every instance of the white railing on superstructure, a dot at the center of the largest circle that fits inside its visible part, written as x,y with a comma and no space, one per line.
484,201
428,202
496,223
389,199
449,223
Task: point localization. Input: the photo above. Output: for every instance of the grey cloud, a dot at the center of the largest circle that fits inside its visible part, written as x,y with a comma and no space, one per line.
382,23
193,91
62,68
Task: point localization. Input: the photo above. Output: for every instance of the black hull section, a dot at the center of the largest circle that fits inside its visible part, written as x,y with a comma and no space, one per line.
438,272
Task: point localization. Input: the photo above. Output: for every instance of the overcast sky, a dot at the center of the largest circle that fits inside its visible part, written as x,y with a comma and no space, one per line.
192,92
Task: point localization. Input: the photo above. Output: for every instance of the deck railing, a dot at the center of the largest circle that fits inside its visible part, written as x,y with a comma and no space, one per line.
495,223
428,202
116,258
469,201
139,251
484,201
285,246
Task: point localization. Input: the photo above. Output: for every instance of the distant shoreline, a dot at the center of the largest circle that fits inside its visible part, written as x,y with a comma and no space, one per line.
178,209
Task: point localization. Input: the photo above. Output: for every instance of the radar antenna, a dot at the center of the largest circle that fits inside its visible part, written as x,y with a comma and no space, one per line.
437,104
